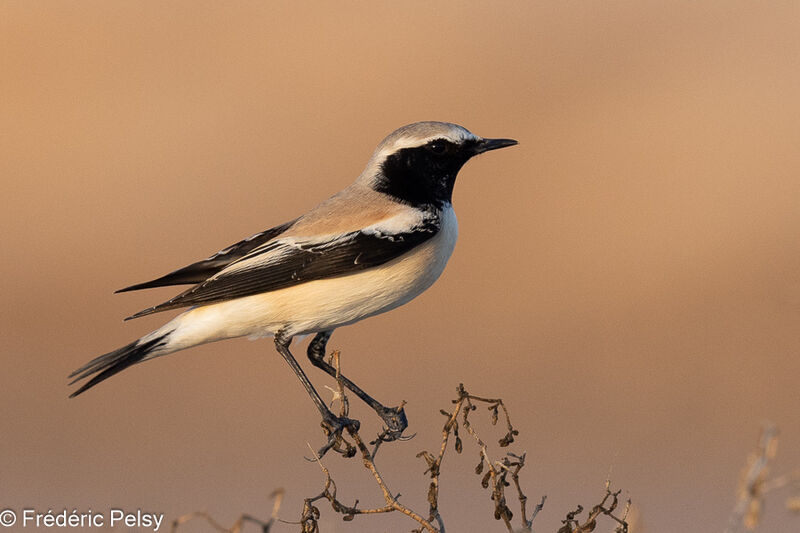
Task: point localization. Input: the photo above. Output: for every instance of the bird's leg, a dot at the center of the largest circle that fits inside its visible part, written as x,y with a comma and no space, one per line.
332,425
393,417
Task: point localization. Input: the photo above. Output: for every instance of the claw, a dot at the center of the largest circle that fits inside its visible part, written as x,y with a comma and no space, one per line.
395,418
334,427
396,423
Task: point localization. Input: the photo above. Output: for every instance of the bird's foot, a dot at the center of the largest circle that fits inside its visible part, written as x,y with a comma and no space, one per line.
396,422
334,426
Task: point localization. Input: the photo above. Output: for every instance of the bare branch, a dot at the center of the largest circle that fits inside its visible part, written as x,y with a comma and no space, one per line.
754,485
311,514
237,526
573,525
497,475
496,471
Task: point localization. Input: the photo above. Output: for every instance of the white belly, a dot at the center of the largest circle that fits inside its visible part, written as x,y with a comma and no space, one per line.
322,304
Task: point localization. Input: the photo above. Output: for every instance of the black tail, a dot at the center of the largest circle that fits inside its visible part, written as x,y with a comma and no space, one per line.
109,364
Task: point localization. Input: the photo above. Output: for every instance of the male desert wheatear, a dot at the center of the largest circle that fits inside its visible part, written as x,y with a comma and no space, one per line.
372,247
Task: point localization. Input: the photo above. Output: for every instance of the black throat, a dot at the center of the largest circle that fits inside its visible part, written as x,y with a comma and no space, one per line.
424,175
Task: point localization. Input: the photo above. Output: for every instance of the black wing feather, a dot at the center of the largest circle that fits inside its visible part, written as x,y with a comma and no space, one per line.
301,263
202,270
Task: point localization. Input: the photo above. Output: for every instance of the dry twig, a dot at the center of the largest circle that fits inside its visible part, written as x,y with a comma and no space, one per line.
311,513
754,485
237,526
573,525
496,471
497,475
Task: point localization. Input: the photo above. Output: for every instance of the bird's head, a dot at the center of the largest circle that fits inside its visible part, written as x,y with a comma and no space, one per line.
417,164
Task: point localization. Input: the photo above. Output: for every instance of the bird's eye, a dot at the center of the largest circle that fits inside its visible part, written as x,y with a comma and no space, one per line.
437,147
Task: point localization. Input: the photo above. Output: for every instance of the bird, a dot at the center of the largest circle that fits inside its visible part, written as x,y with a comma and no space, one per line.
376,245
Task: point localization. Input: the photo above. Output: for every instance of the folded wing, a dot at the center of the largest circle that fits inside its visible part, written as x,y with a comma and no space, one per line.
288,261
202,270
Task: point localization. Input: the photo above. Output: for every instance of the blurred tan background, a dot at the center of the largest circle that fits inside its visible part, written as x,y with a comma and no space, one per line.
627,278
